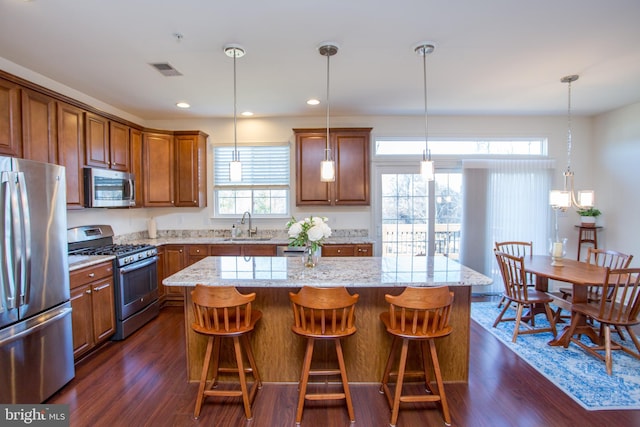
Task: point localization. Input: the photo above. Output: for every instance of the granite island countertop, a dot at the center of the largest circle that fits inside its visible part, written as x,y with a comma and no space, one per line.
283,272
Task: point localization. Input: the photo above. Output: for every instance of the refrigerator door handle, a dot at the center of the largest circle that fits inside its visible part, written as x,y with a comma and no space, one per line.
63,312
25,232
8,262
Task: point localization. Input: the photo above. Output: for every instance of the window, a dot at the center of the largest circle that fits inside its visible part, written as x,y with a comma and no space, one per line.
264,189
457,147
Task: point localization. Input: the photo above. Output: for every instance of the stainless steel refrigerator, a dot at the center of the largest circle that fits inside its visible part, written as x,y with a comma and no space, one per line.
36,340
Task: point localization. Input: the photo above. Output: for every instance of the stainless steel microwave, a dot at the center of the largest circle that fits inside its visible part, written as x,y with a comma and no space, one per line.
106,188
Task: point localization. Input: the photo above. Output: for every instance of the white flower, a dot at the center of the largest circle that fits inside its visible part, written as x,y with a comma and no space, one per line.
309,231
315,233
295,229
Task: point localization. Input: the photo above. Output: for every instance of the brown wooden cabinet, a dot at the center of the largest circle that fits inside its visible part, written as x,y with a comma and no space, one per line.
71,151
157,158
107,143
190,169
10,119
161,274
350,151
196,253
93,309
119,147
39,134
175,169
225,250
338,250
175,259
135,146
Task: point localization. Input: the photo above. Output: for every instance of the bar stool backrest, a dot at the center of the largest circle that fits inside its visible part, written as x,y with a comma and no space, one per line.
222,310
420,312
323,312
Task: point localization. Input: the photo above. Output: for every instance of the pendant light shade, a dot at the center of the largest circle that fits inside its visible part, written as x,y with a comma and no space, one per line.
235,167
426,165
328,166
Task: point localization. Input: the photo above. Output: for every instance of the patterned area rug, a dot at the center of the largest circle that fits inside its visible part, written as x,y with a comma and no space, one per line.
578,374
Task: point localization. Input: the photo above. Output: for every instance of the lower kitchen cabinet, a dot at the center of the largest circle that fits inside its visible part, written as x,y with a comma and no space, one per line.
362,249
175,259
92,302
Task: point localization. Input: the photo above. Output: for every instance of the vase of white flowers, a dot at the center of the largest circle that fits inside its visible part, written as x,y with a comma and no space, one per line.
310,233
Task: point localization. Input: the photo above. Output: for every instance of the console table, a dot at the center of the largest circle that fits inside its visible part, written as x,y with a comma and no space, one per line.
587,235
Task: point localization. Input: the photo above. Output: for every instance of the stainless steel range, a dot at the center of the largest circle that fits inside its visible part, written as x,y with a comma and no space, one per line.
135,274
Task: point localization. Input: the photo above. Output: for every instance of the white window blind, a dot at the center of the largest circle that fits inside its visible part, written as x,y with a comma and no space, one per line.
262,166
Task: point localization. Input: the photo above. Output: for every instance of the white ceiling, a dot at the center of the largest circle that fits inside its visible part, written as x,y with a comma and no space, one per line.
491,56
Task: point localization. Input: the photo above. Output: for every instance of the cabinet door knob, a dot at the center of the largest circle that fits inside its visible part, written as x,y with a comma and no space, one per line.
88,291
92,275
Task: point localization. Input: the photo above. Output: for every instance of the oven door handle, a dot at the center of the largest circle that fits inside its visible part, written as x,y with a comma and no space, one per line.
137,265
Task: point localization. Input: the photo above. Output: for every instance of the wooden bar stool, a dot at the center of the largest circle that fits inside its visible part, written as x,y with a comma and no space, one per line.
418,314
323,314
222,312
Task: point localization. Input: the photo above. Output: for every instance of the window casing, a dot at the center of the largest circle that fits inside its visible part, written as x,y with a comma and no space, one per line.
265,187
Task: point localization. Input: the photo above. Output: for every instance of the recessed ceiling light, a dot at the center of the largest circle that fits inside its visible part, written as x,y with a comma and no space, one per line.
313,101
247,113
183,105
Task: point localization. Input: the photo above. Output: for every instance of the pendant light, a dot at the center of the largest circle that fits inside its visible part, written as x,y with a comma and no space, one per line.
235,167
426,165
564,199
327,166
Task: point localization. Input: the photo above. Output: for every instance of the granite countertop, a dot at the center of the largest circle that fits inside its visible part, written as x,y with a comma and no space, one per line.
331,271
77,262
242,240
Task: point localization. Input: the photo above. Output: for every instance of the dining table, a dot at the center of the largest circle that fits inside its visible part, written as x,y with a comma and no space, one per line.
580,275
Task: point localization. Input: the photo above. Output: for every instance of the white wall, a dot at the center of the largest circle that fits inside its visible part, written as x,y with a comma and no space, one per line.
617,135
280,129
616,165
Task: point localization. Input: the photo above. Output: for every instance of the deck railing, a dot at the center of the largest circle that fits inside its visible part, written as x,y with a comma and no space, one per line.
411,240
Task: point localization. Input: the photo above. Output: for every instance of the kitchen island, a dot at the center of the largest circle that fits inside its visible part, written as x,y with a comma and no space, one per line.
279,352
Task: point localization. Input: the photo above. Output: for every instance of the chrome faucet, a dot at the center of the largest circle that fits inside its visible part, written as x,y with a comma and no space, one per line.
250,231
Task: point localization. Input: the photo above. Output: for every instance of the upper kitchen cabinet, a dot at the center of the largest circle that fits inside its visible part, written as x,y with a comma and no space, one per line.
190,169
10,129
39,134
175,169
107,143
158,162
70,129
135,142
350,151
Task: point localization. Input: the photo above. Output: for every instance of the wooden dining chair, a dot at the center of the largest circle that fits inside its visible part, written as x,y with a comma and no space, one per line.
323,314
517,291
603,258
620,309
421,315
222,312
516,248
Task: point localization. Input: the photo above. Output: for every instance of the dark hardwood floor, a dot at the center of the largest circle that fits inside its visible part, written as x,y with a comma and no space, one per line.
141,382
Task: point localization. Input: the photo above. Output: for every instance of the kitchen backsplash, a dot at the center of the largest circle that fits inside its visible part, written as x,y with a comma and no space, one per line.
226,233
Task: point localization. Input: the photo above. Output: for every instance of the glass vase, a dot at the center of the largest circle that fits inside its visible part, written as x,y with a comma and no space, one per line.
311,257
557,250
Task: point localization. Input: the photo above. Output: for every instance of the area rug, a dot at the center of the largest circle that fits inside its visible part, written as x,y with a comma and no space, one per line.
578,374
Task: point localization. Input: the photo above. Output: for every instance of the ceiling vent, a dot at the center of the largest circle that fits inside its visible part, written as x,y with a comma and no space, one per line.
166,69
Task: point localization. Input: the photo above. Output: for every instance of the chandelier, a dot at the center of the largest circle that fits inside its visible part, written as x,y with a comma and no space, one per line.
565,198
426,165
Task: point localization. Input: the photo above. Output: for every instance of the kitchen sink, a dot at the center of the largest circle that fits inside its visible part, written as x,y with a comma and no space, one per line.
247,239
